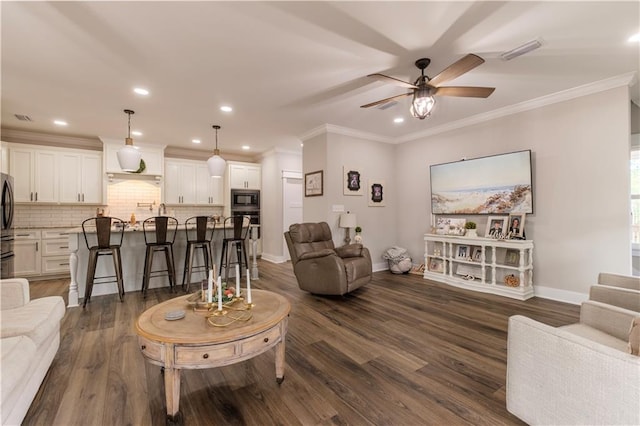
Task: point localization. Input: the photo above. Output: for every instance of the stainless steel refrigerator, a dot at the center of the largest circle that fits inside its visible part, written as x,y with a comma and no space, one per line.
6,217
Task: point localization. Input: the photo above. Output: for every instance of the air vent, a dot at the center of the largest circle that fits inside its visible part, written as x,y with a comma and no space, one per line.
23,117
388,105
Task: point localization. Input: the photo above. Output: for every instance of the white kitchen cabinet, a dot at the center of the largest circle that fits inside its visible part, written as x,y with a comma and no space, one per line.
54,252
208,189
35,174
189,182
244,176
4,157
80,178
27,253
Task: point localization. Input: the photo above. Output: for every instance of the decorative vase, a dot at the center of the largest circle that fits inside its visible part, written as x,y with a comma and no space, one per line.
358,238
471,233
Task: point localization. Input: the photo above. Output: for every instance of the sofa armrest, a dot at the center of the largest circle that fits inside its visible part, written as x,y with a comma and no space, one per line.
617,296
617,280
555,377
609,319
350,250
14,292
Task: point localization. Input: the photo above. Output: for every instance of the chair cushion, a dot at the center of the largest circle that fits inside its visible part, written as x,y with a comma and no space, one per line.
17,356
310,237
634,337
357,267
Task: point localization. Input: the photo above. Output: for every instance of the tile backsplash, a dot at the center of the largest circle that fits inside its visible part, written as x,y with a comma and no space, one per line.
123,197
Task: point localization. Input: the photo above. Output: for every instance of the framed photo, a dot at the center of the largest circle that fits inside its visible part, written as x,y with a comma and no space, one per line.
477,254
377,196
516,225
352,181
512,258
463,252
436,265
450,226
496,226
313,184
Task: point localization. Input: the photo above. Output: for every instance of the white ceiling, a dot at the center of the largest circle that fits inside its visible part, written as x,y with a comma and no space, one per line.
289,67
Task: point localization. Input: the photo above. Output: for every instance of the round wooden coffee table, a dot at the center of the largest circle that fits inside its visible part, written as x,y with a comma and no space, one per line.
192,343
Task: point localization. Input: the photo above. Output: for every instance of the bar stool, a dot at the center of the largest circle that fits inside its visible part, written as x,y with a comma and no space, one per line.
101,226
159,236
236,230
199,230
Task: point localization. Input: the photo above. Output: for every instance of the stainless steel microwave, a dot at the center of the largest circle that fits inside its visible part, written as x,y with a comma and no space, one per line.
245,199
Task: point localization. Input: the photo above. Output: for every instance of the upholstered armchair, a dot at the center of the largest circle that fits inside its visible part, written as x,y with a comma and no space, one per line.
322,268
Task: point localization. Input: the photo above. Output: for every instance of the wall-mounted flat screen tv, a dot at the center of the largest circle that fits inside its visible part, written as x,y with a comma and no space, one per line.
487,185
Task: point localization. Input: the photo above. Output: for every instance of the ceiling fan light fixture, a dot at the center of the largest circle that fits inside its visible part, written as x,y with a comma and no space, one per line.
216,163
129,157
422,103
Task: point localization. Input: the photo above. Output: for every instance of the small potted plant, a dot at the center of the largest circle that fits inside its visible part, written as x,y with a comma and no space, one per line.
358,237
471,230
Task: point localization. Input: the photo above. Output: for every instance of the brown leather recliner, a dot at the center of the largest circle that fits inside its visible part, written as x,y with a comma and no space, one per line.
322,268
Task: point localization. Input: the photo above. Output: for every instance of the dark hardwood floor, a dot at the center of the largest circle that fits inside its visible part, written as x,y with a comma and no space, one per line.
400,351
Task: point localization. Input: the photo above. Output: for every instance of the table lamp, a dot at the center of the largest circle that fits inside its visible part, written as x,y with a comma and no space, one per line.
347,220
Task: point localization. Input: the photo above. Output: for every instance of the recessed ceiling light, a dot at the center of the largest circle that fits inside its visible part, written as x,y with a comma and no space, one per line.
634,38
246,147
136,133
398,120
60,122
195,140
141,91
226,108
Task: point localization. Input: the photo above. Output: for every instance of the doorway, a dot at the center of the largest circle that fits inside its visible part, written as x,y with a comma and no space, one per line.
292,204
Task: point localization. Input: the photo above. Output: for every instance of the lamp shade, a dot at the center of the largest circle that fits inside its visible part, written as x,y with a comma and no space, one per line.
216,165
422,104
129,158
348,220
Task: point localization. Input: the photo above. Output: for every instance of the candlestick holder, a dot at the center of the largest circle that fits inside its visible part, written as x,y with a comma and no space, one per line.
232,311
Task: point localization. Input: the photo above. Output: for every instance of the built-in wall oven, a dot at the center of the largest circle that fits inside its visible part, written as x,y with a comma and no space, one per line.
6,218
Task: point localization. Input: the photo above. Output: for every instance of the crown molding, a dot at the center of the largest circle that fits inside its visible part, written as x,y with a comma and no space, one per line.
345,131
628,79
277,151
49,139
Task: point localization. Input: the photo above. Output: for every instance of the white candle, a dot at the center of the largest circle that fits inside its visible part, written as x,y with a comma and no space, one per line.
237,280
219,294
248,286
210,287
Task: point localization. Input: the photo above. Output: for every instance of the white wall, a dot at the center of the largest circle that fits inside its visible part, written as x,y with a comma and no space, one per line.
581,222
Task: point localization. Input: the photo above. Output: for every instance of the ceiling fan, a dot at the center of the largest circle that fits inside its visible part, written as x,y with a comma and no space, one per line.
424,88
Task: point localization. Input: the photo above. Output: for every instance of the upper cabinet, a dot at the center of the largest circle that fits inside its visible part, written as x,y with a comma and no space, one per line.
244,175
189,182
55,175
153,157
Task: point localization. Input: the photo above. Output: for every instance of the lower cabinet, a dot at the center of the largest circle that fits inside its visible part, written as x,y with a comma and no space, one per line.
41,252
503,267
27,253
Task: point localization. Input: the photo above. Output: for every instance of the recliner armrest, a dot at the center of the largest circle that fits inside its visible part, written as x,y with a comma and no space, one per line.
351,250
14,292
316,254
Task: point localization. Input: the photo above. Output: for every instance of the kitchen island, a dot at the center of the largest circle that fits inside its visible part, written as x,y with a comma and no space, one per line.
132,252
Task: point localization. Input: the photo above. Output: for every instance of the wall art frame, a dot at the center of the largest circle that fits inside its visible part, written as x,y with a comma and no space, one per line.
313,185
352,183
377,193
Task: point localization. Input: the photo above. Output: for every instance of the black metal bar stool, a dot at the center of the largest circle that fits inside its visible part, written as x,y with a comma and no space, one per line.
199,230
102,228
236,231
159,236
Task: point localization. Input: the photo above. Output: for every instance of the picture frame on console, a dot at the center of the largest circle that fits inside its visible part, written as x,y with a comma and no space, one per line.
477,254
463,252
516,225
496,226
436,265
512,257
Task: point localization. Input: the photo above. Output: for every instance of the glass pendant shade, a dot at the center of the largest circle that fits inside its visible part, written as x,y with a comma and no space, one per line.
422,104
216,163
129,157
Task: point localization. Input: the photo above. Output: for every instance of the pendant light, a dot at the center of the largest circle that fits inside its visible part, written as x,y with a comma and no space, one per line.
128,156
215,162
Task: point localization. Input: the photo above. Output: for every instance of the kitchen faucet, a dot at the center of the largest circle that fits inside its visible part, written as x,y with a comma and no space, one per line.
162,208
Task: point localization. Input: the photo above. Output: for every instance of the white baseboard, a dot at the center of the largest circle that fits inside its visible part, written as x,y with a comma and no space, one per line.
566,296
382,266
273,258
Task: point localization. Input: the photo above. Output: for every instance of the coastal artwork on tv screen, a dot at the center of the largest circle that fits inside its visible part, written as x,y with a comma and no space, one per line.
499,184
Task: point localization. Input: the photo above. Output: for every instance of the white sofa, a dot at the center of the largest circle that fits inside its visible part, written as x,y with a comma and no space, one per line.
581,373
30,337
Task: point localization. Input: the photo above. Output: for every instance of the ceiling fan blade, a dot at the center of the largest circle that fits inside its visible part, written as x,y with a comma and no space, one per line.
384,101
465,92
456,69
387,79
